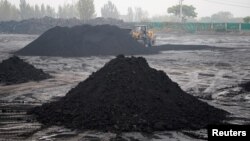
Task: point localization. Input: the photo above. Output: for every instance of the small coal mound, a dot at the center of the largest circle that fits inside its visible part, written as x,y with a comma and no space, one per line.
85,40
127,95
14,71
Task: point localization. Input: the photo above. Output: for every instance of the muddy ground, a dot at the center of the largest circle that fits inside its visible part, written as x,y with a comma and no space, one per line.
212,75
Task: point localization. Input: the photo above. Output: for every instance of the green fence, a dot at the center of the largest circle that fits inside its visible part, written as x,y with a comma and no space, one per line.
245,26
193,27
233,26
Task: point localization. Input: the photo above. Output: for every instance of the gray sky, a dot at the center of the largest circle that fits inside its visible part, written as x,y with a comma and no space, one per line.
239,8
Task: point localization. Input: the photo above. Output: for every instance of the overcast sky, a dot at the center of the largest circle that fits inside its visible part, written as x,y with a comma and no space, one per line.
239,8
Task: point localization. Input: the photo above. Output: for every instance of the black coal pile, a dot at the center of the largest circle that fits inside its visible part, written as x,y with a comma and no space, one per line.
14,71
246,86
36,25
40,25
102,21
84,40
127,95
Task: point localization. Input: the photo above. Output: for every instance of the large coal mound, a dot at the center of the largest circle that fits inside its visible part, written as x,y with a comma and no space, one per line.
85,40
14,71
127,95
40,25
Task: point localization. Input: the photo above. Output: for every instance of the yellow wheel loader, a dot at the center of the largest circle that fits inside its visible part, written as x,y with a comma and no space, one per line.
142,34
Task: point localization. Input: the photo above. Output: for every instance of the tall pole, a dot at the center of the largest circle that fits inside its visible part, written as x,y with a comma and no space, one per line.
181,15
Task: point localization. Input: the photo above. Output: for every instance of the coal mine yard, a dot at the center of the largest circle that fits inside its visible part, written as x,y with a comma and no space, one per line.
97,83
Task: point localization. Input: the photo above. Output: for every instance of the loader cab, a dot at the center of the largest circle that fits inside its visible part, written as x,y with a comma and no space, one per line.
143,35
141,28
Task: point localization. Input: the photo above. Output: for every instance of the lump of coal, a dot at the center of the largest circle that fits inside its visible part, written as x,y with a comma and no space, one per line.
84,40
14,71
128,95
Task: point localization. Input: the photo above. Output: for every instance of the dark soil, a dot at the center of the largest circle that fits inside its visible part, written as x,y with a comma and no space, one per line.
14,71
246,86
84,40
184,47
127,95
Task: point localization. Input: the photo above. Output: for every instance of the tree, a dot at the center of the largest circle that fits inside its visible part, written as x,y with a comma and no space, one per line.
86,9
8,11
130,15
187,11
37,11
163,18
43,10
222,16
50,11
140,14
205,19
23,9
67,11
246,19
27,11
109,10
60,13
